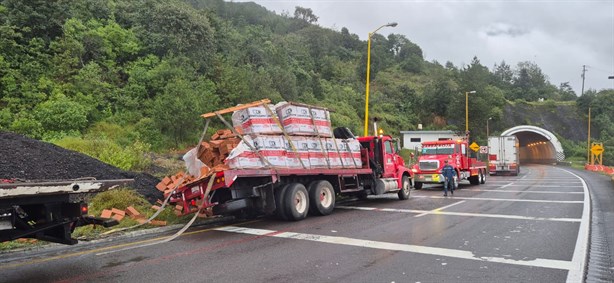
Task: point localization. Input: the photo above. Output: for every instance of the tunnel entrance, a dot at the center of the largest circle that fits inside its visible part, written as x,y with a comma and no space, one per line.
537,145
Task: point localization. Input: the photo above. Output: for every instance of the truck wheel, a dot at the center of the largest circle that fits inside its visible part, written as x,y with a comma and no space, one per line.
482,177
405,186
280,193
474,180
321,198
295,202
417,185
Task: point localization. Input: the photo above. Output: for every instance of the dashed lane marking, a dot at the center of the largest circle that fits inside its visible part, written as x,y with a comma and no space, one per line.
539,262
504,199
440,209
503,216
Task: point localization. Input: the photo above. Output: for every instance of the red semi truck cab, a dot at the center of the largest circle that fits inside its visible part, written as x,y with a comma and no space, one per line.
456,152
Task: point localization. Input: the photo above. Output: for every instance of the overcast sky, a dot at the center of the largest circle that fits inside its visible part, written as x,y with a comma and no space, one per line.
559,36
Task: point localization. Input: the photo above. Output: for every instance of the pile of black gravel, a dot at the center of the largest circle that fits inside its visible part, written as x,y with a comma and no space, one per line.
29,159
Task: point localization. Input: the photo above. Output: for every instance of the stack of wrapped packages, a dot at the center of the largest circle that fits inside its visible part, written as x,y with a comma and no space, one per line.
304,140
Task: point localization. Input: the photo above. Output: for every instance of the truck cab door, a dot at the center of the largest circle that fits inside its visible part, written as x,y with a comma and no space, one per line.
390,160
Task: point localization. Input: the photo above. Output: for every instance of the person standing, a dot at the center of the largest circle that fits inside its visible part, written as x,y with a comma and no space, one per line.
448,173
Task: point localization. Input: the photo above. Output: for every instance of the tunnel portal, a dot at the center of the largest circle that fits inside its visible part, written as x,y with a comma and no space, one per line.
537,145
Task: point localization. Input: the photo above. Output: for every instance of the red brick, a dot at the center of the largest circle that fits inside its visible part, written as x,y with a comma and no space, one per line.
118,211
161,186
179,207
155,207
118,217
106,213
166,180
141,220
158,222
132,211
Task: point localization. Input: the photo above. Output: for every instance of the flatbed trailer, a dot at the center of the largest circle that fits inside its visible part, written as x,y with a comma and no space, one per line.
50,210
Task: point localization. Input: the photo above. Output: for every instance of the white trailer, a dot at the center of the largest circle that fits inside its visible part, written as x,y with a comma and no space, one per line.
503,155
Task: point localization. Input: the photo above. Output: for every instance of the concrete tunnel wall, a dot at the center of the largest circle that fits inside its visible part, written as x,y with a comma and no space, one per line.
537,145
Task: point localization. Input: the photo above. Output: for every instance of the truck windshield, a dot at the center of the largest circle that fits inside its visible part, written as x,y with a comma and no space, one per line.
441,149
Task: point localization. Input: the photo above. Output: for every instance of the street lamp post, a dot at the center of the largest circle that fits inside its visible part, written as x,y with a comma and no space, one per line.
487,134
467,110
366,131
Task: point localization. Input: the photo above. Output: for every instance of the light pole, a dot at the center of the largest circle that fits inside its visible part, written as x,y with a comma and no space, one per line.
467,110
487,134
366,131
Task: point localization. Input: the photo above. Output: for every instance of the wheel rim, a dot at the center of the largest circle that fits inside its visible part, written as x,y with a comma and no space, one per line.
300,201
326,198
406,187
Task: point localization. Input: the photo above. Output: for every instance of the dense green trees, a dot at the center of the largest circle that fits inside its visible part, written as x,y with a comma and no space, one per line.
150,67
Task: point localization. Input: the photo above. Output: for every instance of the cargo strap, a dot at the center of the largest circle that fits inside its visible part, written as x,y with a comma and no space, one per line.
285,135
315,128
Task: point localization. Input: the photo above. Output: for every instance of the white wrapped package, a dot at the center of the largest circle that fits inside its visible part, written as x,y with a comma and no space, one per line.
294,159
256,120
350,153
334,156
317,157
272,148
297,120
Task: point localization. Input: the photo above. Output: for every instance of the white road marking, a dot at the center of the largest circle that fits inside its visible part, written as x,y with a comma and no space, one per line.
541,186
539,262
505,186
504,199
440,209
510,191
578,261
504,216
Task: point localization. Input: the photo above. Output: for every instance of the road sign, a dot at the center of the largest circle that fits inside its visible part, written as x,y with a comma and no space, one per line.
483,149
597,149
474,146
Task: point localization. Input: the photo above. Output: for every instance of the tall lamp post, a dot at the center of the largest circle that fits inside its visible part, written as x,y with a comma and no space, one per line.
487,131
366,131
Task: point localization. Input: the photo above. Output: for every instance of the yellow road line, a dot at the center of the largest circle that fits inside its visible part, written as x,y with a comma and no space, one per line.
6,266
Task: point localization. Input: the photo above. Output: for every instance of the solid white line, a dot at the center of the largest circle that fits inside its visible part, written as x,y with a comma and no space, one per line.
460,214
542,186
539,262
505,186
510,191
578,262
441,208
504,199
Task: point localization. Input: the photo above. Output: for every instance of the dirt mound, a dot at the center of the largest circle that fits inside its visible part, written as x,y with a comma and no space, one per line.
25,158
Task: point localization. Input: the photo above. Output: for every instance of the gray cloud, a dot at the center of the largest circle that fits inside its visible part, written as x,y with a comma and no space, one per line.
506,30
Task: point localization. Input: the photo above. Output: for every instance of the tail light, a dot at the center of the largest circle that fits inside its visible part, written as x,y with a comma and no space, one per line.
84,209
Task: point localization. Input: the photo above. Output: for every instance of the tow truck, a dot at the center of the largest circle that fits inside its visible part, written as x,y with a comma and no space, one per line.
428,168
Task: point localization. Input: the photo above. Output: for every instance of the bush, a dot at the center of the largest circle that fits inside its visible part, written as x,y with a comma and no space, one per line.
131,157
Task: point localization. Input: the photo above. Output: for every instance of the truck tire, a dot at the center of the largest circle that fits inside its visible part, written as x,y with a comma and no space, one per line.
405,187
482,177
295,202
280,193
418,185
475,180
321,198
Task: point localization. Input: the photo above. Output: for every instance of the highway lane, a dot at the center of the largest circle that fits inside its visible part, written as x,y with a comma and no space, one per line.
531,227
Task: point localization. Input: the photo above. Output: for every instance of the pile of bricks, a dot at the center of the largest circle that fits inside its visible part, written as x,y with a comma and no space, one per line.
214,152
131,212
169,183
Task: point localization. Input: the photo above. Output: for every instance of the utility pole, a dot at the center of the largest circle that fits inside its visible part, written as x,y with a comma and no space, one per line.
583,76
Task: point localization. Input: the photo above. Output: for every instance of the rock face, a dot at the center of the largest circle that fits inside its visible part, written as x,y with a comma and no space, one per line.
562,120
29,159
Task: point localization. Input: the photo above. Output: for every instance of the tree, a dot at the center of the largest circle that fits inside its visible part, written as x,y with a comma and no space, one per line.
305,14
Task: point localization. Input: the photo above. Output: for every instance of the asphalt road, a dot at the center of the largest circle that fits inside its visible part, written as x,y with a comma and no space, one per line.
531,227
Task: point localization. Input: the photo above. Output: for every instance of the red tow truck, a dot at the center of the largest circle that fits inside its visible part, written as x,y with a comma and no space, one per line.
456,152
291,193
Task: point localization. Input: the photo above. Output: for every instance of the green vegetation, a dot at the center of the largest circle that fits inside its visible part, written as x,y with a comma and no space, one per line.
121,199
134,75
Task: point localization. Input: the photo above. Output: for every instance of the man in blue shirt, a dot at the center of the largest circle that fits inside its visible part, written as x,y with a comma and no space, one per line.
448,173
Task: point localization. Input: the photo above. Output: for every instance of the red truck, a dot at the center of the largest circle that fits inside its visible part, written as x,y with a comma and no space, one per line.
291,193
456,152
